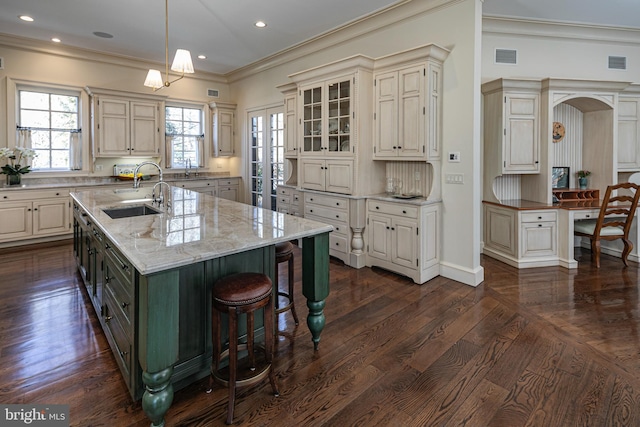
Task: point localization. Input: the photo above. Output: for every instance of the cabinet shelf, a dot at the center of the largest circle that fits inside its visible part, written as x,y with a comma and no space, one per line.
576,194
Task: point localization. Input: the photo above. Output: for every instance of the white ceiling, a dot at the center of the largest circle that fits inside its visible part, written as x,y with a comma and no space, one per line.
224,31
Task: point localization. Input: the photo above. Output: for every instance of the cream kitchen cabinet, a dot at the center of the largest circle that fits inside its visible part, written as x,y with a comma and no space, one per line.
629,133
290,121
32,214
225,188
408,105
521,238
126,124
229,188
333,210
289,201
335,176
223,120
404,238
511,126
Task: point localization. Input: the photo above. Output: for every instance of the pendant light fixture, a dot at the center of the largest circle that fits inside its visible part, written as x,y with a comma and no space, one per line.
181,62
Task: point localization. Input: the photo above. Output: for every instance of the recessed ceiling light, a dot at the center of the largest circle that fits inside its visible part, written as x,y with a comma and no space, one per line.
103,35
26,18
202,57
55,40
260,24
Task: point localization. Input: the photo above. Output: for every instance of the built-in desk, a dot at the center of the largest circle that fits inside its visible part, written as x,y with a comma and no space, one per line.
527,234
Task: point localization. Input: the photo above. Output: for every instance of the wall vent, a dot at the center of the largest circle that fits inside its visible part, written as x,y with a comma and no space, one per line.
213,93
506,56
1,63
617,62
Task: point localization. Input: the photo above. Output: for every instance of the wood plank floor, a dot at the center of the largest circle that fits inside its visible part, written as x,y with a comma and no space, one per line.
538,347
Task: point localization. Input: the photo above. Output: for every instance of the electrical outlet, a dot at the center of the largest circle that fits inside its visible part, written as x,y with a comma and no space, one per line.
454,178
416,175
98,168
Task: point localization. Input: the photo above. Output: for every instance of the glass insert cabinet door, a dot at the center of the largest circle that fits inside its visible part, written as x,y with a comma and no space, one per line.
327,119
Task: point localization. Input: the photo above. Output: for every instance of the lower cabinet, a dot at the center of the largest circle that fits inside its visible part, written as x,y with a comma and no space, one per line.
521,238
225,188
31,214
289,201
404,238
332,210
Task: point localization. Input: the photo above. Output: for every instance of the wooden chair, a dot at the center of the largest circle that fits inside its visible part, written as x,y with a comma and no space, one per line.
614,220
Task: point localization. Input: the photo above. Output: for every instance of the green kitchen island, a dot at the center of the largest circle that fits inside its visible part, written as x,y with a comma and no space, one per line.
149,276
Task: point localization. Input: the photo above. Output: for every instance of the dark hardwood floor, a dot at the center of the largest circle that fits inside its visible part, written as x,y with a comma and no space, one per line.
537,347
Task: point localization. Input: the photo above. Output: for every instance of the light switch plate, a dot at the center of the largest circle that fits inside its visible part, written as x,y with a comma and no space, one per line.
454,156
454,178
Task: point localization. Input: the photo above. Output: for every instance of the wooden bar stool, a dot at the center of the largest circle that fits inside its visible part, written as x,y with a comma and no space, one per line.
236,294
284,253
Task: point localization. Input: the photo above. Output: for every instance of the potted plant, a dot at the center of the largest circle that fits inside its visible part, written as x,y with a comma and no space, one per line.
582,178
14,168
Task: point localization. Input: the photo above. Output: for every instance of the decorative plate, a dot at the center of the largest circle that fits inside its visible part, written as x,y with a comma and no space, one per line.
558,131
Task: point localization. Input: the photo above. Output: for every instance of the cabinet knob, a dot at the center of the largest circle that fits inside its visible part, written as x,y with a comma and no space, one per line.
539,217
310,210
57,194
392,228
108,319
399,147
387,228
404,212
124,304
5,197
539,225
377,207
338,216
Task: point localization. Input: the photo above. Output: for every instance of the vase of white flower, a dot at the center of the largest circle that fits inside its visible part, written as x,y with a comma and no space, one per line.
14,168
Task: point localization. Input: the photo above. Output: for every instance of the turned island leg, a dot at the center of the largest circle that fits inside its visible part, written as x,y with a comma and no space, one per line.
315,281
158,341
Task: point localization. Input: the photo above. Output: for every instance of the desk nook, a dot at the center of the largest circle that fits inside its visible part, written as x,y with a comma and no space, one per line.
532,129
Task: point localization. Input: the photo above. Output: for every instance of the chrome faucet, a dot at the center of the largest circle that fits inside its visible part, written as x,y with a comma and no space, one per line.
161,200
136,183
187,167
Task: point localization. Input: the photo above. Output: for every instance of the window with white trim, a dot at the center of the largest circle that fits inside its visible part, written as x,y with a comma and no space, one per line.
185,137
49,123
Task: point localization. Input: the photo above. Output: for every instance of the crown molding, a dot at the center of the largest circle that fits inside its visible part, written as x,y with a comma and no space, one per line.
585,33
389,16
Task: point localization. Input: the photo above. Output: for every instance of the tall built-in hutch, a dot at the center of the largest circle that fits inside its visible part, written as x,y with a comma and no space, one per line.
351,125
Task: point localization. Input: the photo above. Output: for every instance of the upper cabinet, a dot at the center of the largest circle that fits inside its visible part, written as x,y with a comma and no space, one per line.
125,124
290,118
326,116
223,119
629,133
408,105
511,126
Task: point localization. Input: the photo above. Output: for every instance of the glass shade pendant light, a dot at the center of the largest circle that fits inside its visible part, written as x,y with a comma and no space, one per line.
181,62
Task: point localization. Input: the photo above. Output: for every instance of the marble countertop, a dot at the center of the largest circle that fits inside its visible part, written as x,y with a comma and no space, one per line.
198,227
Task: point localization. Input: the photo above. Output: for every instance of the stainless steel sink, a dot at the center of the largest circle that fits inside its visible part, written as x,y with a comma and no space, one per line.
129,211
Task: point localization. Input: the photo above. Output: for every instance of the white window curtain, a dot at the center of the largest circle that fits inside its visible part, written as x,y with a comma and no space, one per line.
201,151
168,151
24,141
75,151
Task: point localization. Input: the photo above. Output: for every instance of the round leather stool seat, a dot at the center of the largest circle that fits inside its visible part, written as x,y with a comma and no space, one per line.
284,249
242,293
242,289
284,253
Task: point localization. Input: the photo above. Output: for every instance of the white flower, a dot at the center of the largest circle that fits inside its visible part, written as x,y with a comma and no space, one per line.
6,152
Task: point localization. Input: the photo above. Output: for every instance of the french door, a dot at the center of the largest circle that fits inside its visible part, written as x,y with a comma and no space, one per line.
266,155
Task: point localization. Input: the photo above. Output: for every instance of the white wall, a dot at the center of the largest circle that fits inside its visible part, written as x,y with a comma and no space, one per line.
559,51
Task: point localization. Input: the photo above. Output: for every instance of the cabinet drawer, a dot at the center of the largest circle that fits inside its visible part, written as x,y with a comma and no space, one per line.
283,200
122,295
283,191
34,195
229,181
393,209
539,216
122,348
333,202
120,263
326,213
586,214
338,243
339,227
